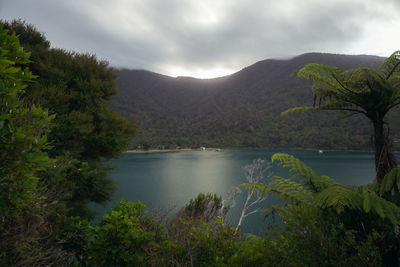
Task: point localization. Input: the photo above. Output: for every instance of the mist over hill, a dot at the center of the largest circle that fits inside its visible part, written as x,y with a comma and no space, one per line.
242,109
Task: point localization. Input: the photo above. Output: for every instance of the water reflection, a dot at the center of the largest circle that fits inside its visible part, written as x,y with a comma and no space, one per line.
186,174
171,179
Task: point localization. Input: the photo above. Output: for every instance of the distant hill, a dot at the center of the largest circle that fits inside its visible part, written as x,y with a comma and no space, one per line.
240,110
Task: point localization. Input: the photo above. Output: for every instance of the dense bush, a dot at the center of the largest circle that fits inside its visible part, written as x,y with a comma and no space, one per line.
76,88
324,223
24,225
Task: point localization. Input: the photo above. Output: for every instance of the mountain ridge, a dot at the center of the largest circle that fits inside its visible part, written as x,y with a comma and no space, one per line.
239,110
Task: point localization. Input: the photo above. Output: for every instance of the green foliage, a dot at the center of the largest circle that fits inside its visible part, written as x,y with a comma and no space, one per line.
37,193
298,169
336,197
198,235
289,190
311,237
190,113
77,88
23,141
26,33
198,243
391,182
371,92
297,110
340,198
125,237
74,183
323,192
205,207
350,214
256,128
360,90
325,223
130,236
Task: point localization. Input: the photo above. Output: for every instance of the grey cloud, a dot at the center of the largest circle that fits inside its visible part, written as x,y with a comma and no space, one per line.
152,34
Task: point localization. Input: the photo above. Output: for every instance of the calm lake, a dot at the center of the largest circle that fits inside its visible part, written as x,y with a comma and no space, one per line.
168,180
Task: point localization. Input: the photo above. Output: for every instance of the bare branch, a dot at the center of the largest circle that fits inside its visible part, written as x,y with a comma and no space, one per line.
254,174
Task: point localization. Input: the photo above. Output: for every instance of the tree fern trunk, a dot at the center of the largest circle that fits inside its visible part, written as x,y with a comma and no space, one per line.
384,158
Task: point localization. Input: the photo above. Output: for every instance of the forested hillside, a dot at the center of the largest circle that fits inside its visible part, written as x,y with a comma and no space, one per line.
57,131
242,109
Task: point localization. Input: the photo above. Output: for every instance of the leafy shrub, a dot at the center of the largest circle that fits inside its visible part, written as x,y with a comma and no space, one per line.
198,243
125,237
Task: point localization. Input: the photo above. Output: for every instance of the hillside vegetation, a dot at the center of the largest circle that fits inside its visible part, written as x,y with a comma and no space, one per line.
57,130
241,110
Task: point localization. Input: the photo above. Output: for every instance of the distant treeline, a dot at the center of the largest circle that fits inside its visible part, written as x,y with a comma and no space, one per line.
243,109
57,131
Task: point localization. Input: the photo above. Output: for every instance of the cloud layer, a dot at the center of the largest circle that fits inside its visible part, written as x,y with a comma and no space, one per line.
210,38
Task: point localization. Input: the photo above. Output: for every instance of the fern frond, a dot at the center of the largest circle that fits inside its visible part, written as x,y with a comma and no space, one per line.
391,65
323,78
363,199
297,110
323,192
298,169
284,188
383,208
390,180
339,198
262,189
291,191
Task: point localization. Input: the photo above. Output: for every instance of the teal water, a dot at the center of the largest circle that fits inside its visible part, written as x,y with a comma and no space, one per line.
169,180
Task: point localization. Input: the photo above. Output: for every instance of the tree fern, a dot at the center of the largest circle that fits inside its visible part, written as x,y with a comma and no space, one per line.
370,92
324,193
284,188
298,169
290,190
372,202
391,182
339,198
390,68
297,110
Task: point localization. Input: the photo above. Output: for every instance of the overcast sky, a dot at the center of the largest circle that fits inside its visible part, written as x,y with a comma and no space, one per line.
209,38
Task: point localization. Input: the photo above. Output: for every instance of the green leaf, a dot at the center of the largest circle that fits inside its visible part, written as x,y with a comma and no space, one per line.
297,110
339,198
390,180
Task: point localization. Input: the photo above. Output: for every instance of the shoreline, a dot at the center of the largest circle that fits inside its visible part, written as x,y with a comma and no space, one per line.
158,151
237,148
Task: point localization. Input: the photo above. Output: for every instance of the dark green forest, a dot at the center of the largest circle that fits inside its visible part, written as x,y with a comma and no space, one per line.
57,132
243,109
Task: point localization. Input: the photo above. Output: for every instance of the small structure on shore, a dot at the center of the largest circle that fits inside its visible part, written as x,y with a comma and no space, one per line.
203,148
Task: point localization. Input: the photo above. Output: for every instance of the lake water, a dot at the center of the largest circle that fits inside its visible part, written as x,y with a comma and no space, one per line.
167,180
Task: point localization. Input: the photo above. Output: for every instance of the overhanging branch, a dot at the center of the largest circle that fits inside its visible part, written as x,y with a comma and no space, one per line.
342,85
345,109
391,72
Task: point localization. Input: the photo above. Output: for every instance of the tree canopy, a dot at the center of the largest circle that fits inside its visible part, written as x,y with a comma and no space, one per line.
371,92
325,223
76,88
24,225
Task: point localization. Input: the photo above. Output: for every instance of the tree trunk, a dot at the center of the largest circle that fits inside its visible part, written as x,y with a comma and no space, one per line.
384,158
